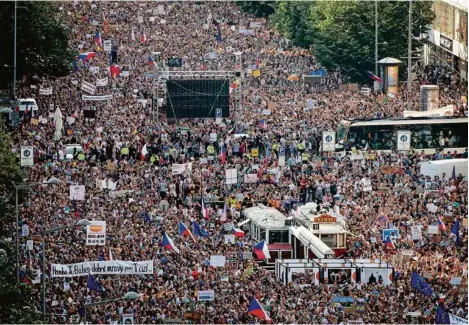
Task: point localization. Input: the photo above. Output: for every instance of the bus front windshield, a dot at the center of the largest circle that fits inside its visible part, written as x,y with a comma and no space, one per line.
341,132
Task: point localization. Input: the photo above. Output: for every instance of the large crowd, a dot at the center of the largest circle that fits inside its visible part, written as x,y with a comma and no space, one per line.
152,200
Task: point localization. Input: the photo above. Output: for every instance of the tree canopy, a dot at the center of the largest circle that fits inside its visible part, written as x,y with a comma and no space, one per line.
341,34
42,41
16,304
258,8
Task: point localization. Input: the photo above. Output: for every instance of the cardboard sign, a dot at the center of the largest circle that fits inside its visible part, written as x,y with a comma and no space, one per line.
416,232
433,229
107,45
229,239
30,244
207,295
389,169
217,260
228,226
77,192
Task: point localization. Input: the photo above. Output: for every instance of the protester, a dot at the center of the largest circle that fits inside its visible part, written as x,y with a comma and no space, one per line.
149,199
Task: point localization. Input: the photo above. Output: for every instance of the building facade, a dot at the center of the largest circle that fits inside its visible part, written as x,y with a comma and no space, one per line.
448,36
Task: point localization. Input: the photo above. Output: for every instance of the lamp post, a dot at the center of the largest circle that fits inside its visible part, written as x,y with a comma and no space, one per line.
82,223
23,186
409,58
131,295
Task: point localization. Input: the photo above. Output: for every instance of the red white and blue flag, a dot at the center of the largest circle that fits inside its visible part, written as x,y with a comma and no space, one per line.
441,224
374,77
151,61
204,210
255,309
86,56
184,231
262,124
388,242
223,154
169,244
238,232
97,38
261,250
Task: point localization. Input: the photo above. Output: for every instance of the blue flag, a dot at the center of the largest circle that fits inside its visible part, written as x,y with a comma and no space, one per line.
198,230
442,317
453,175
93,284
420,284
455,232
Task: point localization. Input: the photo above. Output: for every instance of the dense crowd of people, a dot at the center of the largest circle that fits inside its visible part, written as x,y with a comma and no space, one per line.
128,144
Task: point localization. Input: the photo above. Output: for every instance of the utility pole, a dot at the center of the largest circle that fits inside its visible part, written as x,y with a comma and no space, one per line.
14,52
376,37
409,59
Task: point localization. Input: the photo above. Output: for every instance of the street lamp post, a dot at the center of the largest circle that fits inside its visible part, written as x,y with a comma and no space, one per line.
22,186
82,223
409,58
131,295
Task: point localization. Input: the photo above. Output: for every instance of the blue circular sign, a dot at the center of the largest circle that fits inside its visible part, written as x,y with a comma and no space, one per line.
404,138
328,138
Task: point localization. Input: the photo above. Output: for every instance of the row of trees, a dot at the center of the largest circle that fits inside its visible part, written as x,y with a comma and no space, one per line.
341,34
42,49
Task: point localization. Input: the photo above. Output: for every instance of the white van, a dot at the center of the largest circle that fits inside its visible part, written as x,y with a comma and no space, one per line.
30,103
438,167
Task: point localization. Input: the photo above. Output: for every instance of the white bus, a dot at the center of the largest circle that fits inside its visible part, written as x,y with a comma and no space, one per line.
428,133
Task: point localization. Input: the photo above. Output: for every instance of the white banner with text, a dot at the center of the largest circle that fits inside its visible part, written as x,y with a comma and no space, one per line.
101,267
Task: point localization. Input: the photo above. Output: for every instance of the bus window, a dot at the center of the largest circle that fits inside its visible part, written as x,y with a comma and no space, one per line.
329,240
261,234
278,236
341,240
286,254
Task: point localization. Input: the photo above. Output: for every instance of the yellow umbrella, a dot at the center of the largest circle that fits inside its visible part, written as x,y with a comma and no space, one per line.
294,77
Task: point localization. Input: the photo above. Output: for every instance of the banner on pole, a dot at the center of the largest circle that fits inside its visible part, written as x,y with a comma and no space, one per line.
102,82
403,140
96,233
231,176
328,141
96,98
281,156
45,91
27,156
178,169
88,87
101,267
77,192
107,45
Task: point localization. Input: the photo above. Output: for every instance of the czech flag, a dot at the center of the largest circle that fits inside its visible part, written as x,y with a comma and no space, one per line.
223,154
223,214
97,38
184,231
388,242
144,38
238,232
441,224
204,210
24,278
255,309
151,61
261,250
86,56
144,152
169,244
374,77
262,124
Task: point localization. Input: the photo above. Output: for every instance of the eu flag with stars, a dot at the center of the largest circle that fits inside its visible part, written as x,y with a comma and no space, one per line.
442,317
198,230
420,284
93,284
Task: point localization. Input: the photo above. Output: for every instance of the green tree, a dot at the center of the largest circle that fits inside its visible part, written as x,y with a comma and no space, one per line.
258,8
16,303
42,41
342,33
293,21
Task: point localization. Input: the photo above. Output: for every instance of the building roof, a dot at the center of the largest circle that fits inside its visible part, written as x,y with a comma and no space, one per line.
266,217
389,60
283,247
